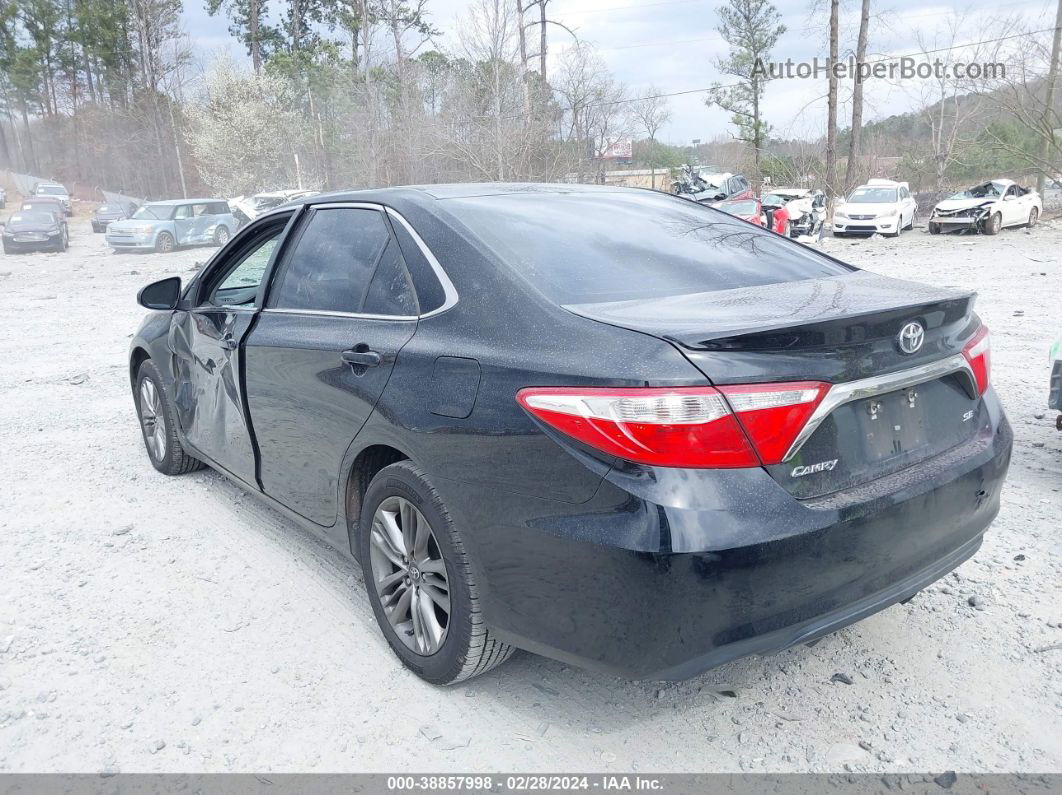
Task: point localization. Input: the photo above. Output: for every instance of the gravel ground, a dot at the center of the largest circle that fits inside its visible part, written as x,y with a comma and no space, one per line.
176,624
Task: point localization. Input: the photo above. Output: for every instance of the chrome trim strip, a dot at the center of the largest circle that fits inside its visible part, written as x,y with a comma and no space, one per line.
329,313
449,291
840,394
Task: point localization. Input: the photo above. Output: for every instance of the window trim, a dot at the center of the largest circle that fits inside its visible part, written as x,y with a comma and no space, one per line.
450,296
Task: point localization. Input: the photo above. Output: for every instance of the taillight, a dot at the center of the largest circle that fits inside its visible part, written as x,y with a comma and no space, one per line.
978,353
693,427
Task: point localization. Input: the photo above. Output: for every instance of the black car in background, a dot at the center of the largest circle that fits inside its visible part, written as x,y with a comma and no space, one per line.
610,426
35,230
111,211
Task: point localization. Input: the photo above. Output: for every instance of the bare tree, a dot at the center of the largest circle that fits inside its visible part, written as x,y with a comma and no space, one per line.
851,172
831,106
650,110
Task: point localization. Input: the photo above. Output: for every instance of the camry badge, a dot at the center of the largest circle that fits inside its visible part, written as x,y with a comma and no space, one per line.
911,337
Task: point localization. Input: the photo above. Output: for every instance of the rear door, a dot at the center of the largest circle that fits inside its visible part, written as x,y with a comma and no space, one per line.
205,341
340,307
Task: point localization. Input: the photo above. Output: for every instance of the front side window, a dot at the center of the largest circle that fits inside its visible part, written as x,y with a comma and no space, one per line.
333,261
238,283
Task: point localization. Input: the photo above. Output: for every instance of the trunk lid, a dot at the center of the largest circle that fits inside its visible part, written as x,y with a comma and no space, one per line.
839,330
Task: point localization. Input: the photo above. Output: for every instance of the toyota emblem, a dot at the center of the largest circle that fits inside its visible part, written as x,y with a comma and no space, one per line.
911,337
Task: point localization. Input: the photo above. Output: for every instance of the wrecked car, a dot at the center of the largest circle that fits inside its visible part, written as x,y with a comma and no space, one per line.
599,424
247,208
708,188
1054,400
987,208
804,208
162,226
751,210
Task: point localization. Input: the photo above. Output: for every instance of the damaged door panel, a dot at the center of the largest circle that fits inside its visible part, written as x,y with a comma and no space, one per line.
205,344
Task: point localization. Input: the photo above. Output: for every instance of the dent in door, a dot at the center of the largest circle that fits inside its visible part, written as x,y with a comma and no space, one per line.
205,375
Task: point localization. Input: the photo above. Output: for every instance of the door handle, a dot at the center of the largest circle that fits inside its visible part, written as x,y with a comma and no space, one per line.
229,344
361,358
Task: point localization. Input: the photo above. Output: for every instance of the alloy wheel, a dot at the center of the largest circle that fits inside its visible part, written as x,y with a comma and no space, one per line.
409,575
152,419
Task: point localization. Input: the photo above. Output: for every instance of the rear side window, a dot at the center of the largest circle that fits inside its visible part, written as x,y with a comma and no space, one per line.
391,290
333,260
614,246
430,293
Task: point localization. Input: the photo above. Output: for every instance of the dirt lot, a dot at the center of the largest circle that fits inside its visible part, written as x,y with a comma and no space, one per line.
176,624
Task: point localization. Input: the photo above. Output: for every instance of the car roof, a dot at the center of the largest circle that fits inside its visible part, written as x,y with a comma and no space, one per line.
174,202
1005,182
459,190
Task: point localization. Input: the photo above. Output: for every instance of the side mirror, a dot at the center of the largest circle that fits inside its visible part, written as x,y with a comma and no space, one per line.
1008,197
162,294
719,197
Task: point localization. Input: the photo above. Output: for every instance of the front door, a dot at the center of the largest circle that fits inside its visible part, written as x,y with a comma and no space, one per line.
340,308
206,344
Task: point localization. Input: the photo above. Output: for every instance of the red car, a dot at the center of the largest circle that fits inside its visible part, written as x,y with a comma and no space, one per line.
751,210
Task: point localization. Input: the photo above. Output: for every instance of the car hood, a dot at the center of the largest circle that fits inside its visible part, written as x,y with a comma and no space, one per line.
951,205
868,208
128,225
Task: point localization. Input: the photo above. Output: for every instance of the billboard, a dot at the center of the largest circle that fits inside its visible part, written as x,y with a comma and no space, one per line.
623,149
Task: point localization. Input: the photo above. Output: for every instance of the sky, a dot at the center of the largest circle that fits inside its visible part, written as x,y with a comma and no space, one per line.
673,45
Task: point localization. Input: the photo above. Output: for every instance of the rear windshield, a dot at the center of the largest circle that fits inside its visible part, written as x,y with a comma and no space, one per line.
595,247
51,190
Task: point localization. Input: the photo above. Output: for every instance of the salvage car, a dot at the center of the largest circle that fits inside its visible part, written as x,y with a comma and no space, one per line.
745,209
775,219
987,208
55,191
35,230
879,207
107,213
248,208
708,188
609,426
165,225
1054,397
805,208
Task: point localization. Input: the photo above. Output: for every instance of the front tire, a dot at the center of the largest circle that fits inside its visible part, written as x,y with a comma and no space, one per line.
1034,216
165,243
419,580
934,228
994,224
158,423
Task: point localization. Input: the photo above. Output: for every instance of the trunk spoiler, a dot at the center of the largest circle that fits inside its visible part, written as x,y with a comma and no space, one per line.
695,319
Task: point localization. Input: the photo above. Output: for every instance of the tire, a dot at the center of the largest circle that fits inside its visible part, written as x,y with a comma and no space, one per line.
165,243
934,228
466,647
152,399
911,225
994,224
1034,216
221,235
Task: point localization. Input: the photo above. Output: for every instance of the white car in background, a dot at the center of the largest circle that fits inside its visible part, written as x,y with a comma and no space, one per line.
879,207
988,208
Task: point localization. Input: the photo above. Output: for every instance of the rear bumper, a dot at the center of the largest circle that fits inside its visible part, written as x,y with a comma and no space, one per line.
664,574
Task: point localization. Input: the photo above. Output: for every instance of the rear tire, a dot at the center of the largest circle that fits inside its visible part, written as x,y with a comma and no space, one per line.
221,236
467,646
158,424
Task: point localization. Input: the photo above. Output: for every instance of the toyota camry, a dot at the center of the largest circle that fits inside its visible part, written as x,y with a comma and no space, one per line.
609,426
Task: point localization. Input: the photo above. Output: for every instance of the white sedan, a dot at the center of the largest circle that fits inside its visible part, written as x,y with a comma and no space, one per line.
988,207
879,207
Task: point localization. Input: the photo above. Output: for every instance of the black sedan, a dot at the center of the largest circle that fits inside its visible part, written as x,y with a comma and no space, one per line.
609,426
35,230
112,211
